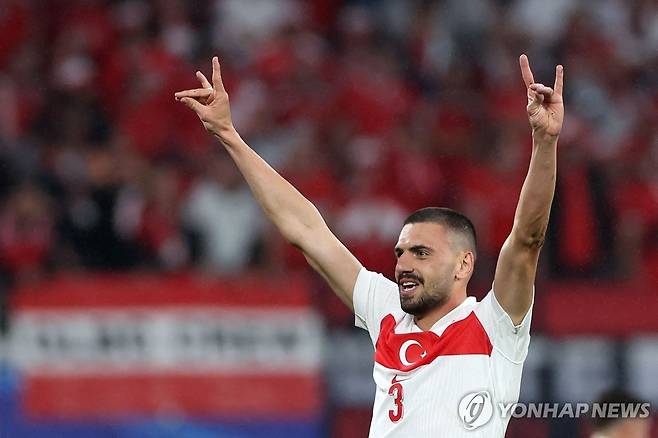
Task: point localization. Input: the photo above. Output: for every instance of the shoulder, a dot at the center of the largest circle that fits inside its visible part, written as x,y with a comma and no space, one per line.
369,280
510,339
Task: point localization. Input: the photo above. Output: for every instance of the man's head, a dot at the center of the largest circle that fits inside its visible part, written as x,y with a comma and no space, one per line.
633,426
435,256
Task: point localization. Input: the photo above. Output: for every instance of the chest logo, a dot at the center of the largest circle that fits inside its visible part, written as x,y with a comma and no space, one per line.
420,353
408,351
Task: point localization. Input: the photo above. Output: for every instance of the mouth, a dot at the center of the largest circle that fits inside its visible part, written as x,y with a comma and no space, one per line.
408,286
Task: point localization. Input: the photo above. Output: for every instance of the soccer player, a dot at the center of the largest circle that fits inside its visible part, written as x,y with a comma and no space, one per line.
442,360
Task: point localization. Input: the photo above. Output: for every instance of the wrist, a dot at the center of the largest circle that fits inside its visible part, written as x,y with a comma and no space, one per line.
541,137
227,135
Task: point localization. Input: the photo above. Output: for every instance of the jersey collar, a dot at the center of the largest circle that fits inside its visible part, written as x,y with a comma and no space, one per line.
458,313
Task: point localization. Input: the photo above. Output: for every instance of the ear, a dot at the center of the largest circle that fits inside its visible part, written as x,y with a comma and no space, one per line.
465,267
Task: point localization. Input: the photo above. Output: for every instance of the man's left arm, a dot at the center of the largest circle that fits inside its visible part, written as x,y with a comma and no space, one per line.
517,263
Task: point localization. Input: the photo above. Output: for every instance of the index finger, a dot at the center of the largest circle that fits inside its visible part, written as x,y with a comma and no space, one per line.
216,75
525,70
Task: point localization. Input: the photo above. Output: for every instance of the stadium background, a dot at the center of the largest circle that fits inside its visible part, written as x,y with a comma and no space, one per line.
143,293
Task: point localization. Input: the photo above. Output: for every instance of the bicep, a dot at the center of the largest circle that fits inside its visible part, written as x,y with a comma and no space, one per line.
515,277
333,261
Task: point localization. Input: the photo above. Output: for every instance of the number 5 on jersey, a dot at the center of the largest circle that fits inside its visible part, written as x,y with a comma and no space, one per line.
397,392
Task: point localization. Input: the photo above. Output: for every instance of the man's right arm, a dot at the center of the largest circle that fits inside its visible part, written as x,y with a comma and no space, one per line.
298,220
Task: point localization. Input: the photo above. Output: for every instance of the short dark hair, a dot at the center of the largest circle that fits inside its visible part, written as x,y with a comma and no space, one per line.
614,395
449,218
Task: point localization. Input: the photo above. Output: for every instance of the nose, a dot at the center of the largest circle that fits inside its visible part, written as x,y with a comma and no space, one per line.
403,265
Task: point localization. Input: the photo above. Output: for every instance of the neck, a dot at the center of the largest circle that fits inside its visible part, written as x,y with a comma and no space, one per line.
427,320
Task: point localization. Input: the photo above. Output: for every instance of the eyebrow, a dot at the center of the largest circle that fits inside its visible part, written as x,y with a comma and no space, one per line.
414,248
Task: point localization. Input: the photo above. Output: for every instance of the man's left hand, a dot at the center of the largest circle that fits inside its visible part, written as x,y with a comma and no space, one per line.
545,106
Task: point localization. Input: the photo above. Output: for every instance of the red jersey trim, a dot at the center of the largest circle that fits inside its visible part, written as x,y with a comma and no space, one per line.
408,351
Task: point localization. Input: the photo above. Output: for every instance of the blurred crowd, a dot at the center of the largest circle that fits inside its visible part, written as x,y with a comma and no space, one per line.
371,108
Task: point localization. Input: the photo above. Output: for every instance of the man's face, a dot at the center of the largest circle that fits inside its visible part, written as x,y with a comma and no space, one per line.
633,428
426,267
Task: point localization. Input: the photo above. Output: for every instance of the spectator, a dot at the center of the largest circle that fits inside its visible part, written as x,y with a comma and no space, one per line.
161,231
632,426
100,223
222,213
26,234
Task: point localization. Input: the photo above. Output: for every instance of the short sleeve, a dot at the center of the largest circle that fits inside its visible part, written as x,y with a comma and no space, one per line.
374,297
510,340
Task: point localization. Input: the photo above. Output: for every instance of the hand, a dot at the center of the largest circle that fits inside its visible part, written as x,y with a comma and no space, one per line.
210,103
545,106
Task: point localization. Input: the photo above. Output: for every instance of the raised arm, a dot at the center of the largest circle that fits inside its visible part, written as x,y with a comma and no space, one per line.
295,216
517,263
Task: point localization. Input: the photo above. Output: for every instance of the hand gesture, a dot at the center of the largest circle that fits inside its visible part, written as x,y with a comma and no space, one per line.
545,106
210,103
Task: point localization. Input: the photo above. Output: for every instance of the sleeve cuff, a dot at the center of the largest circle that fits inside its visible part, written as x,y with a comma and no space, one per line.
360,299
501,314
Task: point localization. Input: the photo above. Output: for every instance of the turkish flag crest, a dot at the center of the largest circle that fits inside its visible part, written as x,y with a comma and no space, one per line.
408,351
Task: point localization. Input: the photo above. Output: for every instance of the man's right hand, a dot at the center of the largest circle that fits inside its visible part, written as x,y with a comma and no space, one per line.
210,103
295,216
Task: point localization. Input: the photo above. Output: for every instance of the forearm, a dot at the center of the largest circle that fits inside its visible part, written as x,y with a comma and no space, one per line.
294,215
289,210
534,207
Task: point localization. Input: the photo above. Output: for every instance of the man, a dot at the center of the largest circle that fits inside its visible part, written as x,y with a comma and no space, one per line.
442,360
636,425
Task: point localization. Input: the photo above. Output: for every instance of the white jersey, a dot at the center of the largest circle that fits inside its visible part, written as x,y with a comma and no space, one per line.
473,355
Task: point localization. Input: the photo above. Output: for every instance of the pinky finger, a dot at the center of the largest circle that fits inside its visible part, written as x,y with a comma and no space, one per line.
197,93
193,105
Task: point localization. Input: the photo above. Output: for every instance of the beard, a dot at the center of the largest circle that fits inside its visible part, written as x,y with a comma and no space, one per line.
434,295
